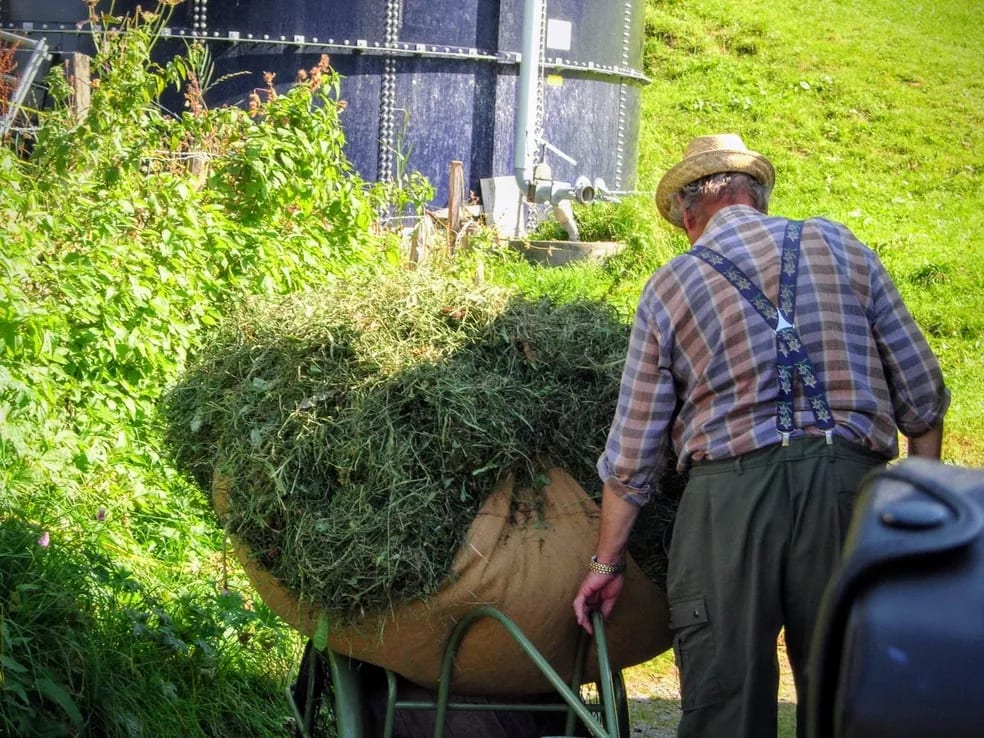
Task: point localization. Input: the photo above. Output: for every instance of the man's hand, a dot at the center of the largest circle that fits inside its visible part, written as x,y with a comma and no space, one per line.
598,593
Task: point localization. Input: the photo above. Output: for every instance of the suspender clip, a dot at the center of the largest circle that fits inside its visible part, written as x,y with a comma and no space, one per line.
785,437
829,435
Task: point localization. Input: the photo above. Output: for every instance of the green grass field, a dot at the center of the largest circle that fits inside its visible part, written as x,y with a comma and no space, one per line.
873,114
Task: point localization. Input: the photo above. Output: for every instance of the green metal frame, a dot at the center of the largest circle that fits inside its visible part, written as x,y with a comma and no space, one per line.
612,708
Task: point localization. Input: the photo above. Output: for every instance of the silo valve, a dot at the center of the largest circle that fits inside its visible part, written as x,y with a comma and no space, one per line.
584,191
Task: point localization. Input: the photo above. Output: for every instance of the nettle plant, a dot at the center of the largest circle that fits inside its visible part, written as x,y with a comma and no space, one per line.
146,225
125,233
131,229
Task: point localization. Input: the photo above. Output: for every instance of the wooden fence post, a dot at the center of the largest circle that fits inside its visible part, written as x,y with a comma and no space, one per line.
456,192
81,82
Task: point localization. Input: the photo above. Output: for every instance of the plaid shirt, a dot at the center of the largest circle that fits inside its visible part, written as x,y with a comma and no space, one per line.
700,371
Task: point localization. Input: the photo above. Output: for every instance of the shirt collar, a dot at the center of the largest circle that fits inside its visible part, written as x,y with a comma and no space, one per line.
728,216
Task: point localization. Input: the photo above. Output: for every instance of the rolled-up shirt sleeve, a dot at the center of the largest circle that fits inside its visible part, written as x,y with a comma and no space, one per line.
637,450
920,398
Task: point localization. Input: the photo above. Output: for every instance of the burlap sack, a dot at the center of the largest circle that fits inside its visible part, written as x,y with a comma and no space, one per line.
529,572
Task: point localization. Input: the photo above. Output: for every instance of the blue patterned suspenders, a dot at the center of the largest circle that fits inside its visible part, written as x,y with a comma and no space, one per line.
791,358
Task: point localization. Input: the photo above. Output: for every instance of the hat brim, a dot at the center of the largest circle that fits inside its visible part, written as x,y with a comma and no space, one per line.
705,164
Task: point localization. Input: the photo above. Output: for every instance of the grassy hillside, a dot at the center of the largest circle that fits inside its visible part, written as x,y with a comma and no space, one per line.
873,114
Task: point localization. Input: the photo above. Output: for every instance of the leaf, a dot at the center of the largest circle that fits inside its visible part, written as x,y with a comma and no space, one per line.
11,665
18,689
60,696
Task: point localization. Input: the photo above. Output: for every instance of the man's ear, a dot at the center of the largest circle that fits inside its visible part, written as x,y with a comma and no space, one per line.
690,225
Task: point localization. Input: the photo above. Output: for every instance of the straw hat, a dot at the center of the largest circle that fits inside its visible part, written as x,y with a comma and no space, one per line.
706,155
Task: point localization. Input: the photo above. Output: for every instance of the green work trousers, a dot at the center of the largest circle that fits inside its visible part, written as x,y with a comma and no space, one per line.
755,541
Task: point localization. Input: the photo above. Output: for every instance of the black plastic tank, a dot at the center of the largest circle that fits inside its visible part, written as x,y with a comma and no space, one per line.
428,82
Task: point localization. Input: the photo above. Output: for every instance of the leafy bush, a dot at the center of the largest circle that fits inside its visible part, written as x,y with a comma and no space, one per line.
125,234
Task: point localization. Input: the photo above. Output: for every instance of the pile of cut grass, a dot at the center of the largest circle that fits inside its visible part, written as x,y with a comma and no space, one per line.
361,427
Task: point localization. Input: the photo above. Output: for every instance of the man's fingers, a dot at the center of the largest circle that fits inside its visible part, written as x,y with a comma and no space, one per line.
584,620
606,608
582,612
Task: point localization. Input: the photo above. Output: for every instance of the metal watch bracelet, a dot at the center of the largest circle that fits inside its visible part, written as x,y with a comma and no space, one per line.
610,570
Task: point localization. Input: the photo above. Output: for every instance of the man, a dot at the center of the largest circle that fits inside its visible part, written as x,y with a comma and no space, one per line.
777,360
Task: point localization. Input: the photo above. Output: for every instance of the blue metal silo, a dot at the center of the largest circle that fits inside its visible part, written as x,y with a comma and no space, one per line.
544,91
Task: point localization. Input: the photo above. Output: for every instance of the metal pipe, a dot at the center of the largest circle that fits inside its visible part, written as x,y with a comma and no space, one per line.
524,144
572,698
535,179
39,53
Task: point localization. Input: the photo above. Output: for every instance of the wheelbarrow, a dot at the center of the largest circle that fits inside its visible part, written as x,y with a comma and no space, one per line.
353,685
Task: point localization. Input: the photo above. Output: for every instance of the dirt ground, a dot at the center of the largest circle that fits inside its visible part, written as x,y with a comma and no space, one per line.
653,691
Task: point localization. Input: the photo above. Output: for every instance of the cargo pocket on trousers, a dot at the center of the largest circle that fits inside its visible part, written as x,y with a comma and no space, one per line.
849,474
694,648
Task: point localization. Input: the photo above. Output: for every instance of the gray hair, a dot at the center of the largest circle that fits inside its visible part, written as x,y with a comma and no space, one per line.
725,185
